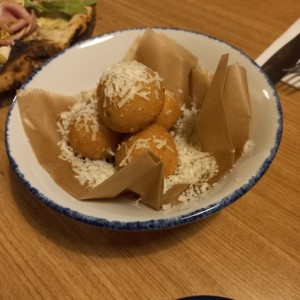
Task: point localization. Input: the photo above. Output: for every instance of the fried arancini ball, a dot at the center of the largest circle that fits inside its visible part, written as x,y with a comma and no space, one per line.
170,112
130,96
92,140
154,138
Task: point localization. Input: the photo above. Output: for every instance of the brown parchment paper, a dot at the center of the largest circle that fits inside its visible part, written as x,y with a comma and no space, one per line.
215,131
40,112
223,124
237,107
174,63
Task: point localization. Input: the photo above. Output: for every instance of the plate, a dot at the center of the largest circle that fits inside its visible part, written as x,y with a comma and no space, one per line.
79,68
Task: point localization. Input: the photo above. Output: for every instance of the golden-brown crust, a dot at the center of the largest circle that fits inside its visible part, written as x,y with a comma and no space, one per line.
93,145
154,138
17,70
135,114
170,112
132,106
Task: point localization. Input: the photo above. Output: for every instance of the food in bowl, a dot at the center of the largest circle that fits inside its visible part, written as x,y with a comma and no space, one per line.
166,136
88,136
196,171
154,138
130,95
170,112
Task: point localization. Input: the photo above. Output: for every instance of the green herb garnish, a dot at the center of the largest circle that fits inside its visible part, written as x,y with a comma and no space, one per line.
67,7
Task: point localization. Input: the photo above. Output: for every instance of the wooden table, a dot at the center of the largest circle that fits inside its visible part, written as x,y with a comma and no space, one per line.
250,250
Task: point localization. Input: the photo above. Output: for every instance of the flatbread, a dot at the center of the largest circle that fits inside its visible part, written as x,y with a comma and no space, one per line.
52,36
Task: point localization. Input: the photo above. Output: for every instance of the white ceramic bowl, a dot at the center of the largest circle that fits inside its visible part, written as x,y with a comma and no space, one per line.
79,68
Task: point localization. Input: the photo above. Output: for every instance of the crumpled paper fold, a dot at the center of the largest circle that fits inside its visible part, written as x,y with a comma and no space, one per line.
181,71
223,124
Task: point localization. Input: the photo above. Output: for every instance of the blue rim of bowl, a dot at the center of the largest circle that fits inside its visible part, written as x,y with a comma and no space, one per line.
164,222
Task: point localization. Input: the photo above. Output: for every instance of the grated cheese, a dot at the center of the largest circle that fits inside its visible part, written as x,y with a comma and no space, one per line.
138,144
159,144
87,171
195,167
248,147
124,80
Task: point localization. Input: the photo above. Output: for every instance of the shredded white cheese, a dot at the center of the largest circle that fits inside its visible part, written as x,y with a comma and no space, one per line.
195,167
87,171
159,143
248,147
124,80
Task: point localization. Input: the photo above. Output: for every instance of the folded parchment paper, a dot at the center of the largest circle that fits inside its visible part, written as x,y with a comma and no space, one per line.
222,126
182,73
